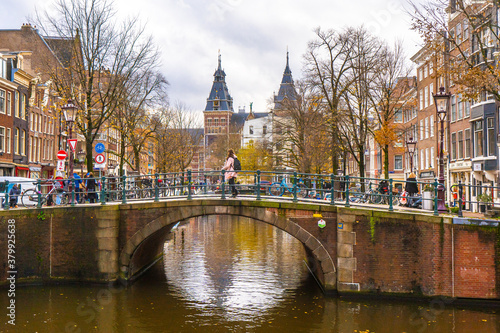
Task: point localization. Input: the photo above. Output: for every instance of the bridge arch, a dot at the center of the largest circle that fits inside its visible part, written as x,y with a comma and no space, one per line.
151,237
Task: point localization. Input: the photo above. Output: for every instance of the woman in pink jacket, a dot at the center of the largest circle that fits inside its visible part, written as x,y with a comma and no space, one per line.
230,175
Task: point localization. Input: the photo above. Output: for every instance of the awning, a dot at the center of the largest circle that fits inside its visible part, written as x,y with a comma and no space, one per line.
38,169
22,168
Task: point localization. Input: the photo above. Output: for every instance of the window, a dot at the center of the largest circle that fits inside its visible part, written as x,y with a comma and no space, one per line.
466,30
22,143
460,107
216,121
398,116
459,33
478,138
22,111
453,108
421,129
251,130
431,71
264,129
223,121
9,103
431,124
398,162
421,99
16,141
466,108
425,71
422,159
453,146
7,141
427,127
432,157
16,104
431,91
209,122
426,97
2,101
420,78
492,144
460,147
2,139
467,143
427,158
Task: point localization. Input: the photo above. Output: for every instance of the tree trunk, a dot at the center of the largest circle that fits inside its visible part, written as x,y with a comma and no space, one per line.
122,156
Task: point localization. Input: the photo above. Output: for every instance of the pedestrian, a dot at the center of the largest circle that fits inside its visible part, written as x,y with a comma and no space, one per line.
230,175
90,184
411,188
78,186
13,195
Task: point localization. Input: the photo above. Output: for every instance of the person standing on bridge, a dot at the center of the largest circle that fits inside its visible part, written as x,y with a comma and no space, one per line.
230,175
412,189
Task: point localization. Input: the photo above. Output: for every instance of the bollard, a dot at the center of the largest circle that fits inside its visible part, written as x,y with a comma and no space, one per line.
391,208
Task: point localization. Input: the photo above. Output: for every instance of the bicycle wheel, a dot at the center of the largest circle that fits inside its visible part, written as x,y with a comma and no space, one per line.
276,190
301,190
395,199
376,198
29,198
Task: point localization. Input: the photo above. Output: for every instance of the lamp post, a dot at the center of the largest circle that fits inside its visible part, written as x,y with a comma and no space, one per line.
69,111
81,158
411,144
441,100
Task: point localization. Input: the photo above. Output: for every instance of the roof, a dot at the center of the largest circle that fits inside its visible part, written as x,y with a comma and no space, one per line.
239,119
219,98
62,47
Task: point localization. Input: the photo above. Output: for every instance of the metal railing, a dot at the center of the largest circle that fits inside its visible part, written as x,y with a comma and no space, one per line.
259,185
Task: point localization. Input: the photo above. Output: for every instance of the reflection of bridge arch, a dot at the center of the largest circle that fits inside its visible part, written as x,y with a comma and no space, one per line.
136,252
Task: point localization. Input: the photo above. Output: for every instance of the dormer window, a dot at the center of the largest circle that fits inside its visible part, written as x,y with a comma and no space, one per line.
251,130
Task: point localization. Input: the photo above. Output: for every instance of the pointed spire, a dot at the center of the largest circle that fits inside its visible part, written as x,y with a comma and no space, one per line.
287,89
220,66
219,98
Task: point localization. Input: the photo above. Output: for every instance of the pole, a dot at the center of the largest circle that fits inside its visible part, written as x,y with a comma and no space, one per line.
441,207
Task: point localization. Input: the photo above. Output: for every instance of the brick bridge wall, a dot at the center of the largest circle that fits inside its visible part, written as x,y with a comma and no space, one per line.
371,251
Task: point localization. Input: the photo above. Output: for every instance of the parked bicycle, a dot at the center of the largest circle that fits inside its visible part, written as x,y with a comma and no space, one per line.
29,198
278,189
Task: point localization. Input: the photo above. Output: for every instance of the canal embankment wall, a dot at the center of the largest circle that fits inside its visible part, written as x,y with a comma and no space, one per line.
373,251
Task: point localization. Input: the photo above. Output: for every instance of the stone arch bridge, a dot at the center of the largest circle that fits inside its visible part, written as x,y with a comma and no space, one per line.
359,250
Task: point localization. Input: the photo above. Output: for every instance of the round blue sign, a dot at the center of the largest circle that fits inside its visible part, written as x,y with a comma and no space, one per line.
99,148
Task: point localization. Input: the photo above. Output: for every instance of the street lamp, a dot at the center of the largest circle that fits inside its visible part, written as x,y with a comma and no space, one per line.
69,111
81,158
441,100
411,144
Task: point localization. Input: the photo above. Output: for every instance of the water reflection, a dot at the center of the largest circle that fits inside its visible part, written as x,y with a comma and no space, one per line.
237,269
221,275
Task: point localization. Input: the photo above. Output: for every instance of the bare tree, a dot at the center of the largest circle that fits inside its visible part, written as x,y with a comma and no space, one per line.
389,96
327,65
104,59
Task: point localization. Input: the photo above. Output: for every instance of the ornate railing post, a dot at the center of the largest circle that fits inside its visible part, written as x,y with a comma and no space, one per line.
391,208
6,204
103,190
39,192
72,182
189,186
436,212
258,185
222,185
157,189
124,190
347,202
295,186
332,189
460,201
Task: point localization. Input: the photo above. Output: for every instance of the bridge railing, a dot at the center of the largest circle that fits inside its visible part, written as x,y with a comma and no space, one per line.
260,185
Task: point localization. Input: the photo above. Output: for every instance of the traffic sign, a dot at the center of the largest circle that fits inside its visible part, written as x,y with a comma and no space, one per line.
60,165
99,158
99,148
72,144
61,155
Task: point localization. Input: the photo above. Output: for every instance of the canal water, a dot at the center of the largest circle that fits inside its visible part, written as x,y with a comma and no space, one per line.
230,275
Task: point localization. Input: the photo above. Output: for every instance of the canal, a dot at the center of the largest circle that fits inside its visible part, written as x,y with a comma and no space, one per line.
220,274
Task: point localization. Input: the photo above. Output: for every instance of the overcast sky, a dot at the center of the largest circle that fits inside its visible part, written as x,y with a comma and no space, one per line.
252,36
